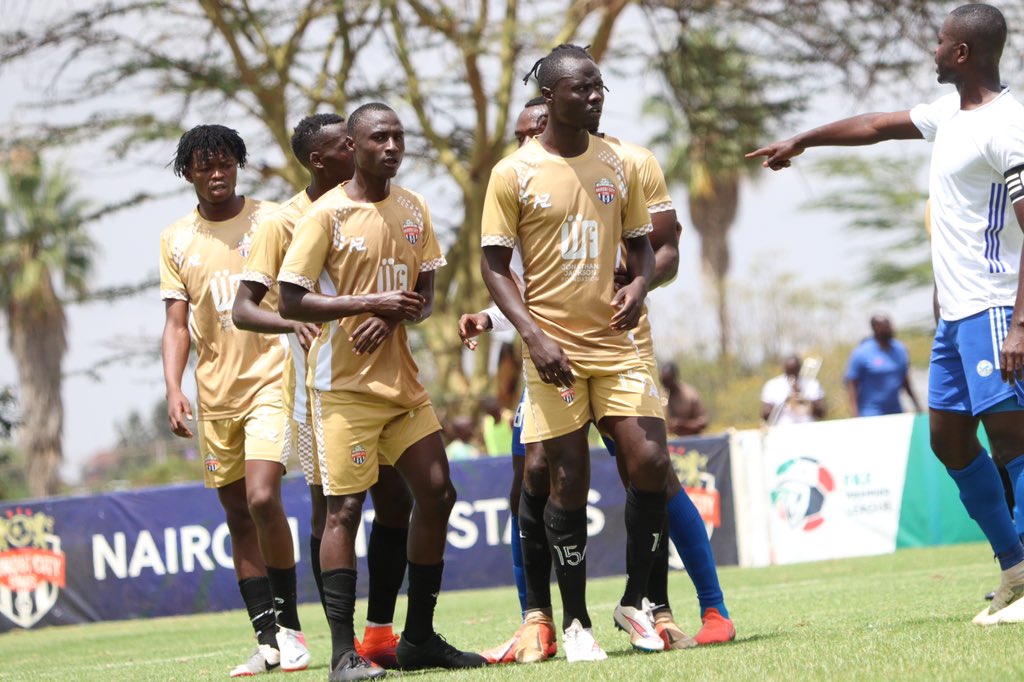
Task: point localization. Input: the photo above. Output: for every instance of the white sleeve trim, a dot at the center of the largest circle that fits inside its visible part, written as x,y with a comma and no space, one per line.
491,240
499,323
638,232
297,279
258,277
173,295
433,264
660,208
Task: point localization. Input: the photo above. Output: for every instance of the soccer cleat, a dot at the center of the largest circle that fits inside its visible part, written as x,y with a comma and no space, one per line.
294,654
670,633
436,652
534,641
352,666
379,642
716,628
580,645
637,623
1007,605
266,659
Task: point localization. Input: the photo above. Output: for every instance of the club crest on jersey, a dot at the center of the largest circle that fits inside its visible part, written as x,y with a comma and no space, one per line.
412,231
605,190
244,245
358,454
211,462
32,566
568,394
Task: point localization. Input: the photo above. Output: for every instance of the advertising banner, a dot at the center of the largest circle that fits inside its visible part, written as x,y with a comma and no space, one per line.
704,468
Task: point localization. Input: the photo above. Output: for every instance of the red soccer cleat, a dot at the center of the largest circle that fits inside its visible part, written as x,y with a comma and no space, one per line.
716,628
378,646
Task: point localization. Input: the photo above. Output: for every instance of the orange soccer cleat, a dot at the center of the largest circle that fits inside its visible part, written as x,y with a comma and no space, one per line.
378,645
716,628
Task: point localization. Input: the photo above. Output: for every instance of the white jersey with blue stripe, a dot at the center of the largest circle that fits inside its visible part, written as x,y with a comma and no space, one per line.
975,178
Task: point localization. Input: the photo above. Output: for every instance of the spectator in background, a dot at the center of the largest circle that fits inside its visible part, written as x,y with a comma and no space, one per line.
461,446
877,371
793,397
684,412
497,427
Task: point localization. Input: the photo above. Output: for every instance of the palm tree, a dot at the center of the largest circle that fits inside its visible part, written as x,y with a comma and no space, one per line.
44,251
715,109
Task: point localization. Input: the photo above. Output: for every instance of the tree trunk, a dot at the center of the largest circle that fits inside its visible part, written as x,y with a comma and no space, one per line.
37,339
712,212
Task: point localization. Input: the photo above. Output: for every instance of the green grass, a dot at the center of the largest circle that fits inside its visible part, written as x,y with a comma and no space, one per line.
903,616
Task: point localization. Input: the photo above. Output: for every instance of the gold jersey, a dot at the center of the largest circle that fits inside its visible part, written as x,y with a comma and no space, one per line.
349,248
569,216
264,264
201,262
655,189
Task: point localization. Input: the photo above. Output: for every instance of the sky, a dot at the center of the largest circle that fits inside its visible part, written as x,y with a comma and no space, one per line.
772,235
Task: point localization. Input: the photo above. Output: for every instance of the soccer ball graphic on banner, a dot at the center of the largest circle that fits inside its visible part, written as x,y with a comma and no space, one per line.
801,488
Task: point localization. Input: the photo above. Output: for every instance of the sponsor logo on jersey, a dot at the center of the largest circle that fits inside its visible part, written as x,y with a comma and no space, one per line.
412,231
32,566
605,190
568,394
211,462
984,368
358,454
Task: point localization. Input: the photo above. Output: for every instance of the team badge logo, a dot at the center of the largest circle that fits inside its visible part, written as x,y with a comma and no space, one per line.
984,368
605,190
211,462
801,490
358,455
32,566
412,231
244,245
568,394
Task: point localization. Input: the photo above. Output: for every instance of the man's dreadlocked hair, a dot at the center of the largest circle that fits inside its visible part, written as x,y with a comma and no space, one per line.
548,70
207,141
306,136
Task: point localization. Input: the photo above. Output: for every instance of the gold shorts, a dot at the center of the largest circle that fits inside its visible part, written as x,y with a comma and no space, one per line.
357,432
299,442
620,388
226,444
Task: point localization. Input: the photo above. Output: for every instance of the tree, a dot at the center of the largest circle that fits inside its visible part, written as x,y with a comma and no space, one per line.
44,251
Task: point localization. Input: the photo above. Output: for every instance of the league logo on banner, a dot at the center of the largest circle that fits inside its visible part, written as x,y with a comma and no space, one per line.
32,566
799,495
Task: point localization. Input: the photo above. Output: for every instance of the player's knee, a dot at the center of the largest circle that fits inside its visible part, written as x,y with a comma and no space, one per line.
649,467
439,503
264,503
346,514
536,478
569,484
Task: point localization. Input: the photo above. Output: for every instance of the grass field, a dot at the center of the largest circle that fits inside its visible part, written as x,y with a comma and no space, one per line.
903,616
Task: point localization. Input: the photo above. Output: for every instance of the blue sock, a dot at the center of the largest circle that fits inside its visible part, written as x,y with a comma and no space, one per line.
1016,470
981,491
517,563
686,528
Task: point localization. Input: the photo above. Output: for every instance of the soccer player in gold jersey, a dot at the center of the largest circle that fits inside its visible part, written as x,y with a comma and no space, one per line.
318,143
372,247
239,418
570,199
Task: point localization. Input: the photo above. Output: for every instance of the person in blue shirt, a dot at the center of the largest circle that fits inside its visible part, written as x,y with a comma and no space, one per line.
877,372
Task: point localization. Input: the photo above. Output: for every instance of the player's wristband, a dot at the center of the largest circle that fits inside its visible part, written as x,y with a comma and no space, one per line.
499,323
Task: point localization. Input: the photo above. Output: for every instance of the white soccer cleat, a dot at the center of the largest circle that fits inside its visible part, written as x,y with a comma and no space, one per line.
639,625
294,654
1007,604
266,659
579,644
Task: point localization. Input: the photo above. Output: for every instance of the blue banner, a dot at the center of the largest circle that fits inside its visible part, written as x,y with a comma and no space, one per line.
166,551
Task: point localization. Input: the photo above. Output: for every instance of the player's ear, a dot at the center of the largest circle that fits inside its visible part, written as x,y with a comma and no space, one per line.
315,160
547,93
350,144
963,52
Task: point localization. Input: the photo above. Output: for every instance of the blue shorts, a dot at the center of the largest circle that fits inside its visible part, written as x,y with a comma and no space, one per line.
963,375
519,449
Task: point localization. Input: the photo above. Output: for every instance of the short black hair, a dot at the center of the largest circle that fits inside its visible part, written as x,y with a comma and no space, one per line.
306,135
357,116
548,70
207,141
982,27
535,102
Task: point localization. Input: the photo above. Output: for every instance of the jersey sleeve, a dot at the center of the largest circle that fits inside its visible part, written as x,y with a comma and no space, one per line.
265,254
501,211
171,285
652,180
1004,150
636,220
307,253
854,367
432,256
925,117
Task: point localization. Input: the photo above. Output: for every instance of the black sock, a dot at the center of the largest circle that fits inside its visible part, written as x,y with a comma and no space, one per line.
314,561
424,585
657,582
286,602
259,602
536,552
645,524
567,537
385,564
340,604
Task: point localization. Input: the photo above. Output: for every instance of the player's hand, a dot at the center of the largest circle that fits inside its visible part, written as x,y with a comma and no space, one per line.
473,325
371,333
621,277
396,305
1011,356
179,410
629,304
777,154
306,333
551,362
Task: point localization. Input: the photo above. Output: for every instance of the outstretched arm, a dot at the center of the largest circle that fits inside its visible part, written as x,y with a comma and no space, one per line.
247,314
298,303
856,131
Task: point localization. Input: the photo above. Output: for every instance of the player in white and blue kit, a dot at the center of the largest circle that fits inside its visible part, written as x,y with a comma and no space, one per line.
977,193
